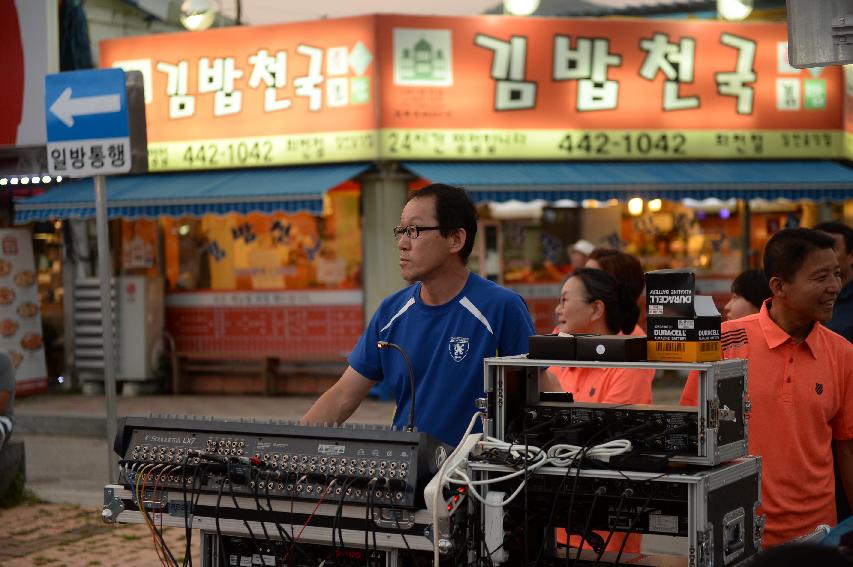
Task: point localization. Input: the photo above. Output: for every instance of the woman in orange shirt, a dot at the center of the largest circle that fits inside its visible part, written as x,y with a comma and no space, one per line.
593,302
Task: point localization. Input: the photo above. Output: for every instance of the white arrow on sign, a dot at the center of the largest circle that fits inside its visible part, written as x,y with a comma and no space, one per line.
66,108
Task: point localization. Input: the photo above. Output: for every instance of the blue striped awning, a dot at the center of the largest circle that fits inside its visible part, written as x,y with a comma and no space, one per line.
551,181
193,193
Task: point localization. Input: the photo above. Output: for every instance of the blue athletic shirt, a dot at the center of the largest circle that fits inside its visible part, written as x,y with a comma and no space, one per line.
446,344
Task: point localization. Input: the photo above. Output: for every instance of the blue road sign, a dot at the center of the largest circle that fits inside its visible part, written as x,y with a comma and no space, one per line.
87,122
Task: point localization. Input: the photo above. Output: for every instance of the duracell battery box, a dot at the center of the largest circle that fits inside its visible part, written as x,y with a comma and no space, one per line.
681,326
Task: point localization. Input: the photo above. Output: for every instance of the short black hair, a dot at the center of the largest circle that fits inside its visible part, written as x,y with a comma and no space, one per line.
839,228
454,209
622,266
752,285
787,250
620,308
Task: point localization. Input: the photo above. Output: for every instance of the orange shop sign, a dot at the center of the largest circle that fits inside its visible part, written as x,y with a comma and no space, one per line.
256,96
485,87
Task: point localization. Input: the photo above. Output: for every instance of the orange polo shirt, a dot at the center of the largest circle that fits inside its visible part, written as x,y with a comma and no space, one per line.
802,398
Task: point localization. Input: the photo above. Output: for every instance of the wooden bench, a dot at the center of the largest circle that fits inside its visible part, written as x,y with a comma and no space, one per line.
223,373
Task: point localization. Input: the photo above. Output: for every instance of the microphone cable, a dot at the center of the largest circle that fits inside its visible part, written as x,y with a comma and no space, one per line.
386,344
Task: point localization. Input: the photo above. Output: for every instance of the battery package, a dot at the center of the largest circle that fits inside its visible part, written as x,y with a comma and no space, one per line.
611,348
681,326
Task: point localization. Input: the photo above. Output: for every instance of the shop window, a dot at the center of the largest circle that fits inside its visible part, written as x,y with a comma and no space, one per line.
267,251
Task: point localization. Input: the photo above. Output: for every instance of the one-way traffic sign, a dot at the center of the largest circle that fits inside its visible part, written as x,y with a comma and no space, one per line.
87,123
65,108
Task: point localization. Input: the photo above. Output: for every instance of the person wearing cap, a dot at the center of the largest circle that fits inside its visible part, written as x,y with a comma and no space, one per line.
800,384
579,253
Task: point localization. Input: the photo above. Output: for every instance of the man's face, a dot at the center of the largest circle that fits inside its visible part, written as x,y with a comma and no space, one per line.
425,255
844,259
812,293
738,307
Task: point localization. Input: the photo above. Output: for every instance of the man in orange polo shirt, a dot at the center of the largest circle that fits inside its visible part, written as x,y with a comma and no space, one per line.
800,384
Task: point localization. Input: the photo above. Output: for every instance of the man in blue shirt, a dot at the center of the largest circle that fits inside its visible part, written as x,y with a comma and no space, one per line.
446,322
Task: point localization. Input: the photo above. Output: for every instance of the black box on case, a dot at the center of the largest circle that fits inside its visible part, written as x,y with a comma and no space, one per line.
552,347
611,348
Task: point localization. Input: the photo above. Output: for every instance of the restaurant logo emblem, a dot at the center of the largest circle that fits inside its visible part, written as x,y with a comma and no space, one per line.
814,94
423,57
459,347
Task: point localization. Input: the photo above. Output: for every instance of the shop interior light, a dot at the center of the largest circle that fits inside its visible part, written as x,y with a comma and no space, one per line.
725,213
198,15
655,205
58,178
14,181
734,10
25,180
565,204
3,181
45,179
590,203
520,7
184,229
57,224
635,207
34,179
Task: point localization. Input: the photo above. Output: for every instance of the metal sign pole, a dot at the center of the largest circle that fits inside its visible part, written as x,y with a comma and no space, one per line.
105,274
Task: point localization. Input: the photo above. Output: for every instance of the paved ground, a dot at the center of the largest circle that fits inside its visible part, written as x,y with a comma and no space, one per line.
67,464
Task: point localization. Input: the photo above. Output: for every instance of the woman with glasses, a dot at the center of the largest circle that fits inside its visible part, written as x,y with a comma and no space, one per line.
593,302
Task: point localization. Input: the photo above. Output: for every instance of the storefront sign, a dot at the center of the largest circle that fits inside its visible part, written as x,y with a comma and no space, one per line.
244,97
20,311
525,88
483,87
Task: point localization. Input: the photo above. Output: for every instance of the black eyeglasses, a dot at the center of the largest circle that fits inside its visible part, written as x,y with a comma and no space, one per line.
413,231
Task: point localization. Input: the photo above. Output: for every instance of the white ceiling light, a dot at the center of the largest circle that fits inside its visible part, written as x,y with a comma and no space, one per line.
520,7
45,179
734,10
3,181
198,15
25,180
34,179
14,181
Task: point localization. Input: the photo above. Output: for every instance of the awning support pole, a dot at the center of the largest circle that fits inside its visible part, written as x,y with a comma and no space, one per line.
746,237
107,327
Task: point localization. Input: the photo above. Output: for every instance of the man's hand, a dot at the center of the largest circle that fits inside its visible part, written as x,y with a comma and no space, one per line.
340,401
